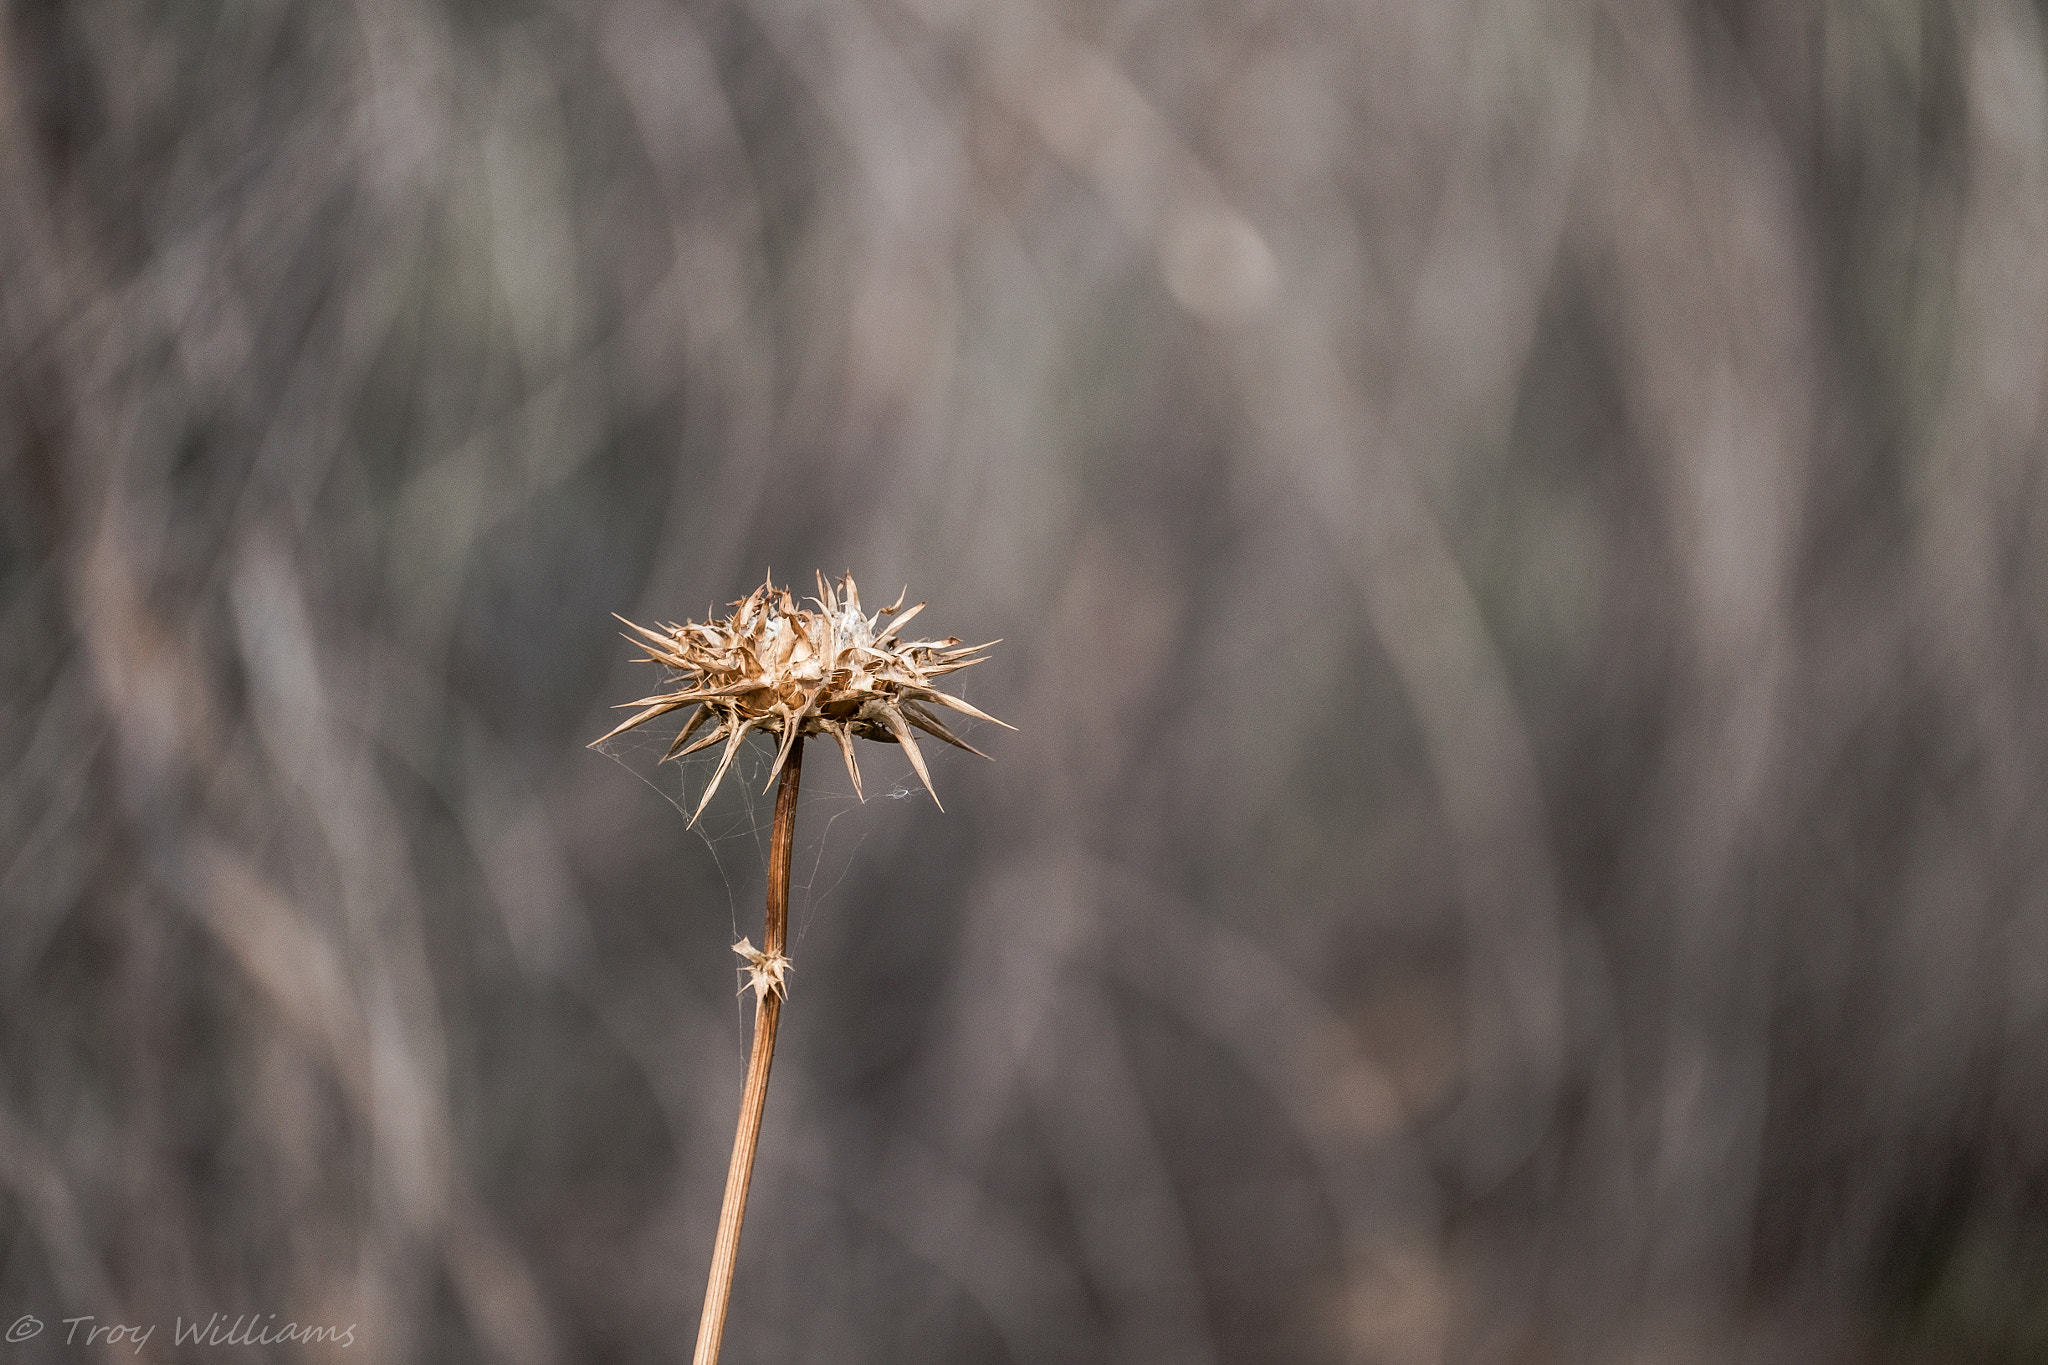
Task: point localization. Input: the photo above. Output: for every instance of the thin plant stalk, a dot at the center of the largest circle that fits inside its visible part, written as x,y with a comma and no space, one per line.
767,1013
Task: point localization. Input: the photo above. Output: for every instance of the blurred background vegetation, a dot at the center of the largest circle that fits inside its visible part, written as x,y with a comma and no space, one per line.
1517,527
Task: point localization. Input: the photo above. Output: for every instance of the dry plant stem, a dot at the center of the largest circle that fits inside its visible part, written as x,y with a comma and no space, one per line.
767,1012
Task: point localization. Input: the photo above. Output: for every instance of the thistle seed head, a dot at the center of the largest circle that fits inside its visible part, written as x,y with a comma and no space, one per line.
789,671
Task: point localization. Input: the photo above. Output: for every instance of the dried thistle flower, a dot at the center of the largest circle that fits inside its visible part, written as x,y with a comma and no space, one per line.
789,671
784,670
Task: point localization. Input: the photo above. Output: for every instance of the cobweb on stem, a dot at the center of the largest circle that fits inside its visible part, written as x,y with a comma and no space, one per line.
741,814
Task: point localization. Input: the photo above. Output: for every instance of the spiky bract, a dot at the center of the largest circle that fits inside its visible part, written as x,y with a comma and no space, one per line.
789,671
768,973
